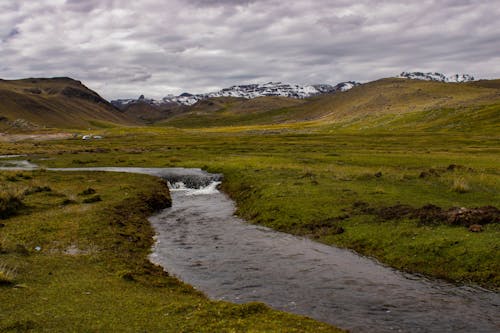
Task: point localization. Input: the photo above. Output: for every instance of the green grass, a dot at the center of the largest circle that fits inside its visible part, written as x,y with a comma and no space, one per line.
83,266
294,178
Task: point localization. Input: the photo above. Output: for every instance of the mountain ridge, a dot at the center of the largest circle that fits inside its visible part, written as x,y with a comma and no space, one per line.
247,91
67,103
439,77
250,91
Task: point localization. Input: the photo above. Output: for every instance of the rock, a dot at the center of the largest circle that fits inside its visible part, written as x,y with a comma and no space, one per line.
475,228
456,215
337,230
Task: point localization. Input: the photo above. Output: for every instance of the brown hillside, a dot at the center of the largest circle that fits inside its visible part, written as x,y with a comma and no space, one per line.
55,102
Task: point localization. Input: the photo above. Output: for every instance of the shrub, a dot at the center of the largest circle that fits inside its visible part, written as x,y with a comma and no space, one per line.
10,203
95,198
68,201
87,191
37,189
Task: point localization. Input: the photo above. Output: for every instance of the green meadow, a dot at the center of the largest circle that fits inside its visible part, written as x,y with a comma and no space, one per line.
316,181
391,182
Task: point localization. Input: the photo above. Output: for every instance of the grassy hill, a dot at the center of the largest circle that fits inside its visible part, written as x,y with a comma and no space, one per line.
386,102
146,113
55,102
222,111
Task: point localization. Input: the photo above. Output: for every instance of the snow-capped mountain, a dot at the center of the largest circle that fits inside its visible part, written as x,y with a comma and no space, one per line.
436,77
246,91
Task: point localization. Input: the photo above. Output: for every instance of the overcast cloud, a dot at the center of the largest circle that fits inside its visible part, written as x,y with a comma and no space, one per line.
155,47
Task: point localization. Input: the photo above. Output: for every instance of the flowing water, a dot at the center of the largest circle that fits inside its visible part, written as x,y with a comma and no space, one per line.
200,241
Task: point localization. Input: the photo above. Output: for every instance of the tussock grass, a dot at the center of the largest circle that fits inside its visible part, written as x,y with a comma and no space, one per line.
7,274
11,202
460,185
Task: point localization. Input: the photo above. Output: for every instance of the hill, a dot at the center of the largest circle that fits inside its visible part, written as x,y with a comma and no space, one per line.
374,104
55,102
148,113
222,111
387,103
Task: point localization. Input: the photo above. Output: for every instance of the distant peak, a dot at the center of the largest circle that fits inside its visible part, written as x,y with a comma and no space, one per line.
429,76
249,91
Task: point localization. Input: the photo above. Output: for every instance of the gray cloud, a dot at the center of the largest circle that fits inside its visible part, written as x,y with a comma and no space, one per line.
153,47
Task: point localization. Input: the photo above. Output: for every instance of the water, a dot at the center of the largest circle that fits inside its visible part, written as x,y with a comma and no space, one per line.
7,164
200,241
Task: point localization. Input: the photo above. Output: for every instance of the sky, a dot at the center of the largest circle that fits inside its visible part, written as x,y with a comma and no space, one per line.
123,49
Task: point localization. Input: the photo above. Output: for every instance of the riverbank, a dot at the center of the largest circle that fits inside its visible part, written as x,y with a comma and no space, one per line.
74,254
202,242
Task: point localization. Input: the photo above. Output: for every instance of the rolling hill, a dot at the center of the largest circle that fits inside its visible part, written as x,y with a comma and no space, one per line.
55,102
386,103
374,104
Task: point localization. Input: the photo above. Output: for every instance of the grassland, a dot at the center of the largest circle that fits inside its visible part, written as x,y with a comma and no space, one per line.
311,180
359,170
67,265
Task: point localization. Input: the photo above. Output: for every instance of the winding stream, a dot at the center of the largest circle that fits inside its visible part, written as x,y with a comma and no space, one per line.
200,241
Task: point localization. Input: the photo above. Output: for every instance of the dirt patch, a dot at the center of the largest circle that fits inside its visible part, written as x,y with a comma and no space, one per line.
437,172
330,226
469,217
432,214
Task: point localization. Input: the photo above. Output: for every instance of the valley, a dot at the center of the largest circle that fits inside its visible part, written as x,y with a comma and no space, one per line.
395,169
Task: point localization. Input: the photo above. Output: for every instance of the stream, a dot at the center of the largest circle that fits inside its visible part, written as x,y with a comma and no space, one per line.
201,241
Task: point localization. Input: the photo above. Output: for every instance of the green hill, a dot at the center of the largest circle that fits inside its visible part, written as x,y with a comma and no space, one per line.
55,102
387,102
222,111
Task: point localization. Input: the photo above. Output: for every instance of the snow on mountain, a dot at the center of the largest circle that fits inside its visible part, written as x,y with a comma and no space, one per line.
281,89
247,91
436,77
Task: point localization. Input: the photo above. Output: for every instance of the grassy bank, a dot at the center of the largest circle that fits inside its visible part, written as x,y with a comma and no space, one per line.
73,257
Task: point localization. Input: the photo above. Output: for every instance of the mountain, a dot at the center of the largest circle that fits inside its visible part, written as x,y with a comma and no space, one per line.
67,103
436,77
247,91
55,102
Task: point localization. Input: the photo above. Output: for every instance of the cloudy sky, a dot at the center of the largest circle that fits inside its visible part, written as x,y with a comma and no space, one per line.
124,48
